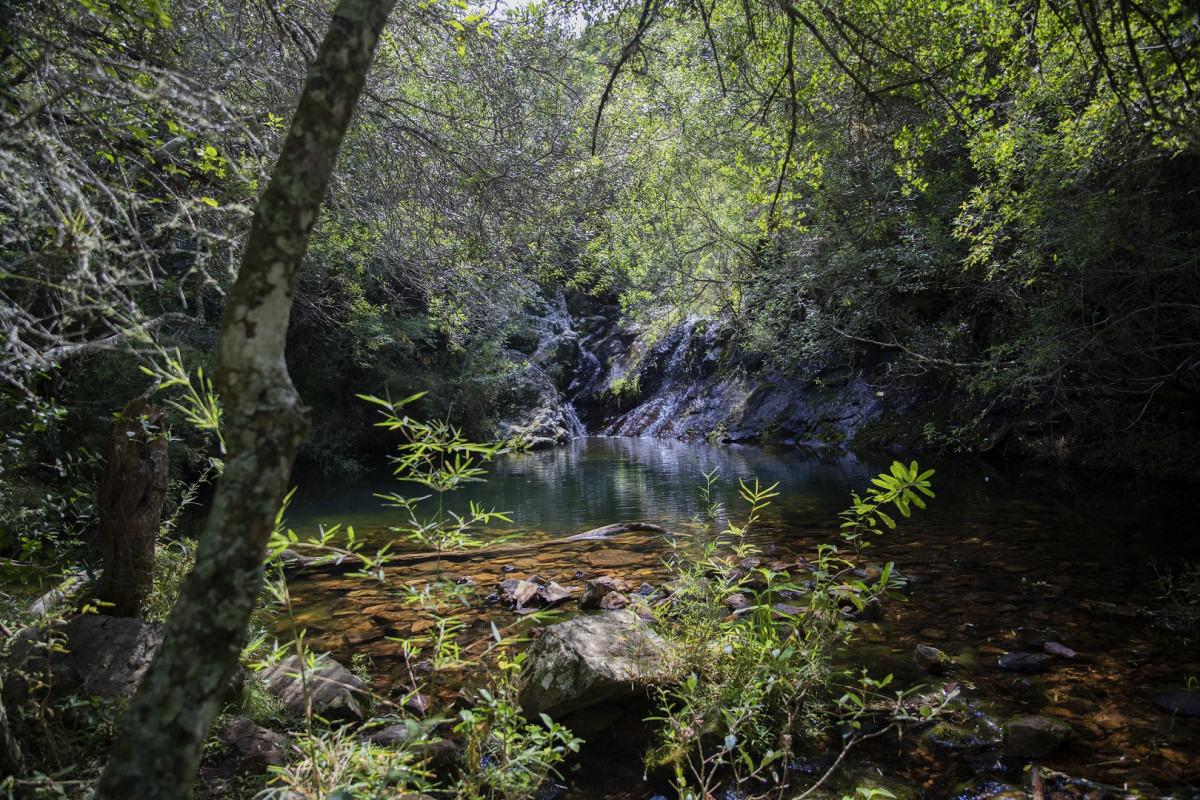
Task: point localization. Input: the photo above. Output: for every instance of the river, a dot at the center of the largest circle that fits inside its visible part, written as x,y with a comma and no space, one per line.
1002,555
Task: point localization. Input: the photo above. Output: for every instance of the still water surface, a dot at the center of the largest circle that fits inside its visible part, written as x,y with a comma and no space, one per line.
996,554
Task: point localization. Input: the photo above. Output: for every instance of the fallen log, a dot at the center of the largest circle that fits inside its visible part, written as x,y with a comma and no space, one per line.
348,562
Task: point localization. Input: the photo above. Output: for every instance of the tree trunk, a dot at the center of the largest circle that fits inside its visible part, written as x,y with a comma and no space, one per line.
11,761
130,501
162,735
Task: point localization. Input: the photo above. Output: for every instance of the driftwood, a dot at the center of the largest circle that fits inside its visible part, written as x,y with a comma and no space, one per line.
349,562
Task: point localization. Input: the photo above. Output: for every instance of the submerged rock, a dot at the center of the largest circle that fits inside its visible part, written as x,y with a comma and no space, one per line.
1025,663
1061,650
590,660
1035,737
974,735
1180,703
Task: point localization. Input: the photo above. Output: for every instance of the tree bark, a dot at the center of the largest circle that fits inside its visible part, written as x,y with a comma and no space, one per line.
162,734
11,761
130,504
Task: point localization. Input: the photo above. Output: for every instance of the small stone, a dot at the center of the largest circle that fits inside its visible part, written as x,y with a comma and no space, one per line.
580,574
1025,663
932,660
1035,737
593,593
258,748
643,611
1056,649
737,602
416,704
621,585
390,736
785,610
555,594
525,591
936,634
1180,703
508,568
750,562
645,590
613,601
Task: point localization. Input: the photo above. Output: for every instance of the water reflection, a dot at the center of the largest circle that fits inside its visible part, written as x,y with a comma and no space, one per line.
596,481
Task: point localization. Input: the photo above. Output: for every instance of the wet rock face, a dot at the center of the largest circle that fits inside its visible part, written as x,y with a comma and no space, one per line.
533,413
692,382
590,660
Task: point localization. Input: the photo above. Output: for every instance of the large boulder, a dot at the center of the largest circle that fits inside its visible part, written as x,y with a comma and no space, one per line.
331,688
590,660
100,655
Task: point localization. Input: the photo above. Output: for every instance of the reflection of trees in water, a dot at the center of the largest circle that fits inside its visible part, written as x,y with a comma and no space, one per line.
602,480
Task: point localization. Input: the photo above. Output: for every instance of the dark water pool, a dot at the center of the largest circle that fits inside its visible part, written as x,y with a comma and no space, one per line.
998,554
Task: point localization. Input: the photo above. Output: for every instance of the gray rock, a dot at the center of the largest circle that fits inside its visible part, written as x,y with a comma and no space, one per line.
594,592
1180,703
613,601
391,735
590,660
105,656
332,688
416,704
1035,737
1061,650
737,602
258,748
1025,663
554,594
